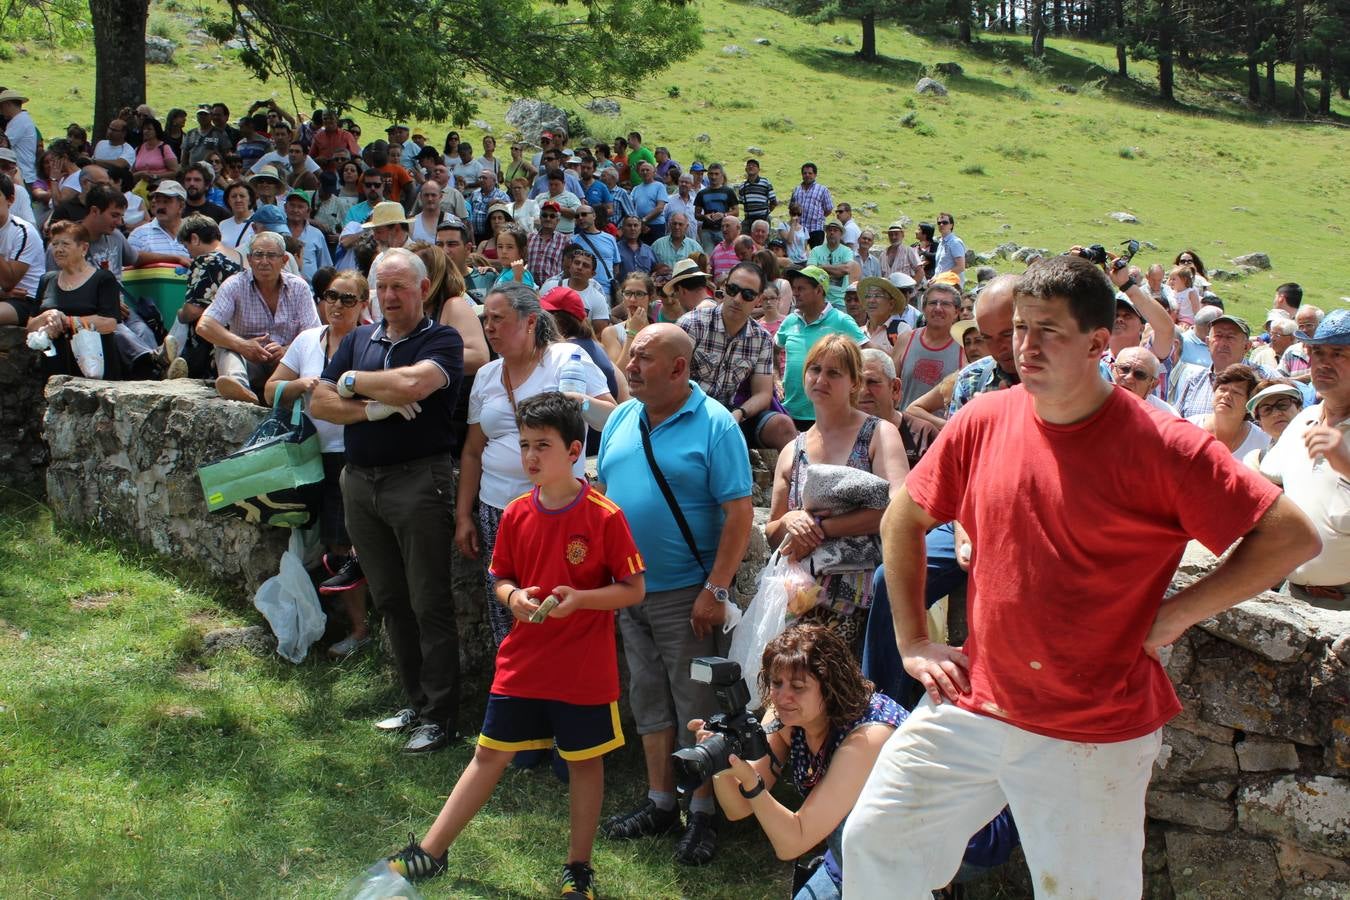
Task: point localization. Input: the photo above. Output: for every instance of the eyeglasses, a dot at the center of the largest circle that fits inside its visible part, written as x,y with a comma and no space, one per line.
633,295
1141,374
345,300
1185,259
935,304
266,255
1284,404
548,215
745,293
377,185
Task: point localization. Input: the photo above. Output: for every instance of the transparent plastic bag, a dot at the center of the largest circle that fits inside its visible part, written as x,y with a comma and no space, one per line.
87,346
379,882
291,605
765,618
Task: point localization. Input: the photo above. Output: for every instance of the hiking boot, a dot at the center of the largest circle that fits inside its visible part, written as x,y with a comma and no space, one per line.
426,739
348,577
699,844
399,721
647,820
177,369
578,882
167,352
416,864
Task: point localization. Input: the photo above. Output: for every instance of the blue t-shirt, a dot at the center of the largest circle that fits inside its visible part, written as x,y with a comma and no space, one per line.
598,193
646,196
703,456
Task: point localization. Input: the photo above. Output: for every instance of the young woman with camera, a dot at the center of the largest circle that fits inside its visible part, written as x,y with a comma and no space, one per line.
826,724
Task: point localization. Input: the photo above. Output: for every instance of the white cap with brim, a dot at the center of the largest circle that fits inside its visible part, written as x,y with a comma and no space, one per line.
1275,390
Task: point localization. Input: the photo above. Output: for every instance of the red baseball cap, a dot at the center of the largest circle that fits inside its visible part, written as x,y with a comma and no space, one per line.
550,205
564,299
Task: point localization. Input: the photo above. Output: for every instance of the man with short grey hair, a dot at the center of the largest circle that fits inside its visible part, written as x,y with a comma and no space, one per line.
675,244
254,317
1294,362
394,385
1136,370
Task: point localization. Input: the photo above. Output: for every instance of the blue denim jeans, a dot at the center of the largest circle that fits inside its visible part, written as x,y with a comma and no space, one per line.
881,658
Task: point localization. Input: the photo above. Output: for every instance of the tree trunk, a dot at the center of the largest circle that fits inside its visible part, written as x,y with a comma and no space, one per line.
1183,48
1037,12
963,26
869,44
1002,15
119,57
1270,80
1058,20
1165,78
1324,96
1253,44
1300,107
1122,67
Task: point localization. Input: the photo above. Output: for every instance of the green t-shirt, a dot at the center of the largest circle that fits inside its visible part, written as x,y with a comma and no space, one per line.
797,338
824,256
636,158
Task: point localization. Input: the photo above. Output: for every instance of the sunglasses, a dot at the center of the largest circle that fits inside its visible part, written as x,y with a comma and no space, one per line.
1132,371
345,300
944,221
745,293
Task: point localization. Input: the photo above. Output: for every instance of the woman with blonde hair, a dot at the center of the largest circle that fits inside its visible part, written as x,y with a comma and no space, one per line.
841,435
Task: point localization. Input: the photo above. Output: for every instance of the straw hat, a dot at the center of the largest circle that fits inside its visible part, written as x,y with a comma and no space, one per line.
685,270
896,295
11,94
387,213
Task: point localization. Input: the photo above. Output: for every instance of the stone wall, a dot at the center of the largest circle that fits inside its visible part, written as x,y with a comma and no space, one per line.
23,455
1251,793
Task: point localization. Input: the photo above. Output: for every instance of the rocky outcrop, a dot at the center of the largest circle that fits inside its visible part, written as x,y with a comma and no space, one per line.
23,454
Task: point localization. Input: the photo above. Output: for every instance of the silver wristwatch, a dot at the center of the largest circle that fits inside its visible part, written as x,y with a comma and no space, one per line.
722,594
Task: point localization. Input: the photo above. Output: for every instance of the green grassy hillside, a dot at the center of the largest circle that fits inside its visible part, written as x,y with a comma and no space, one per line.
1037,154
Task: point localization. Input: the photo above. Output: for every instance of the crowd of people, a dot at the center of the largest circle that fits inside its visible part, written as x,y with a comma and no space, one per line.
467,330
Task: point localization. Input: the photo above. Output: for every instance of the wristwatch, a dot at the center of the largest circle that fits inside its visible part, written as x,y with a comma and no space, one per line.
754,791
722,594
1130,282
346,386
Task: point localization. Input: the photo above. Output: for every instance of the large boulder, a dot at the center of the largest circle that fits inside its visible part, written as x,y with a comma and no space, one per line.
23,453
1256,260
531,117
604,106
159,50
930,86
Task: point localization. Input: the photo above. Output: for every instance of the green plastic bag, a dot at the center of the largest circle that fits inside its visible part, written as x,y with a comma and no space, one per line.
275,478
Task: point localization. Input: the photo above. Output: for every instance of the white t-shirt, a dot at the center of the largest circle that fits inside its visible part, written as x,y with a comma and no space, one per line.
1317,489
597,304
20,242
105,150
282,161
1256,439
469,171
1155,401
22,135
23,203
503,480
851,232
305,358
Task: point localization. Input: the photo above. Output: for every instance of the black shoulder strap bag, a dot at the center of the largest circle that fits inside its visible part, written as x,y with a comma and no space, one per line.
669,495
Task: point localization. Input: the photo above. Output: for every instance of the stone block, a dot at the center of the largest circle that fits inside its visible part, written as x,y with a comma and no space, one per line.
1310,810
1191,810
1255,755
1188,720
23,453
1213,867
1273,627
1337,754
1189,757
1319,890
1238,688
1299,865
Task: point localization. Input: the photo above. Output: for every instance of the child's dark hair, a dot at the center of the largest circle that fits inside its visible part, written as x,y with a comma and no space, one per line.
552,409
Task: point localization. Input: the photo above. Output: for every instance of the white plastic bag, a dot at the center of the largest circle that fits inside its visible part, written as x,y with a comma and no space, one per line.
763,621
290,604
379,882
88,348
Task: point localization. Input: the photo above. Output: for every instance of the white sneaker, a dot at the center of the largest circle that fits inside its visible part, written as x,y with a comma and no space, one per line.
398,721
426,738
347,646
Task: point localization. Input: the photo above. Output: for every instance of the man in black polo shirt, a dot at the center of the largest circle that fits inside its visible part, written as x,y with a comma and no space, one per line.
394,385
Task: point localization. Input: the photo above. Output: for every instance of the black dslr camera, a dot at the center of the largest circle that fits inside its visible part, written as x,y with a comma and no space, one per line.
734,729
1096,254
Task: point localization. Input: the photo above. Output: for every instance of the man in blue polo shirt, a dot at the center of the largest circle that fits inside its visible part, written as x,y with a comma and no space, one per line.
694,538
813,319
394,385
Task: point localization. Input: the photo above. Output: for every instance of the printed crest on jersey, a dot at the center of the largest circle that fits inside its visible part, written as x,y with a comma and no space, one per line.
577,548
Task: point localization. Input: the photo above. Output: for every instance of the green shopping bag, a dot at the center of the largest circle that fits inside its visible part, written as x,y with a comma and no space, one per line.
275,478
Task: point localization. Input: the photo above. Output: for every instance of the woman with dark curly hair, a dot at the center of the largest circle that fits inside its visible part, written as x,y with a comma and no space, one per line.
827,724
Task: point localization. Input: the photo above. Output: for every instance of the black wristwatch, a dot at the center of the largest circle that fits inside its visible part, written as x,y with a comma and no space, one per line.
754,791
1130,282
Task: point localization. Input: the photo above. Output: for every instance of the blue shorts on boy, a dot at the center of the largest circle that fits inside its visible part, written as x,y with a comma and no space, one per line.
585,545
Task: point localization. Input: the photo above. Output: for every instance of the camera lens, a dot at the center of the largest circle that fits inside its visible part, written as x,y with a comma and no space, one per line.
695,765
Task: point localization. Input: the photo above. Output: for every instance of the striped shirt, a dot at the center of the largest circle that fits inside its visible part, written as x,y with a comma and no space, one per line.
756,198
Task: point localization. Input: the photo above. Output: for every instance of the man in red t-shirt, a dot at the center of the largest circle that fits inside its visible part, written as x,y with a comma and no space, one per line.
1079,501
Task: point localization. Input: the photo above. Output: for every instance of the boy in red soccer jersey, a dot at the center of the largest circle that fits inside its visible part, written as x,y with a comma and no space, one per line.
557,679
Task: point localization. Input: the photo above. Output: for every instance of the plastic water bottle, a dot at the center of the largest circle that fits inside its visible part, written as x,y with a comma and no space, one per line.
572,378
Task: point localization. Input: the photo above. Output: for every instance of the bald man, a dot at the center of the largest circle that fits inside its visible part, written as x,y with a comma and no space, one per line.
695,509
1136,370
